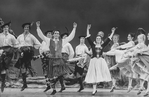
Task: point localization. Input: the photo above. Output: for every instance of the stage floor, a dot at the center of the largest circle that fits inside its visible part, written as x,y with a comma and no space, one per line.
69,92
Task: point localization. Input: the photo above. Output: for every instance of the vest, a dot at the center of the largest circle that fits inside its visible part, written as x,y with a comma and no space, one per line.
56,52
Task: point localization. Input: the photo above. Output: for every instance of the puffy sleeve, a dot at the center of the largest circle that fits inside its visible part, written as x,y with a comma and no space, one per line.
41,35
36,43
71,36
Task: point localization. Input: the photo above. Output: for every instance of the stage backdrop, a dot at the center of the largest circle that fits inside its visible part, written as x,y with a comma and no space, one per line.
127,15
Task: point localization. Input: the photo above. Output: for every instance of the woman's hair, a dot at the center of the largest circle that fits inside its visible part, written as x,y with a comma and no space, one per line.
132,35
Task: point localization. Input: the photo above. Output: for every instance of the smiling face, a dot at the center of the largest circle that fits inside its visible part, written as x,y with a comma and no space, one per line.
26,28
6,28
56,34
129,38
115,38
98,39
49,35
82,40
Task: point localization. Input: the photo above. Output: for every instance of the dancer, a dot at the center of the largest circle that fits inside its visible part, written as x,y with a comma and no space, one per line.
143,56
125,67
59,67
27,43
81,55
139,62
98,69
118,55
7,44
111,61
45,52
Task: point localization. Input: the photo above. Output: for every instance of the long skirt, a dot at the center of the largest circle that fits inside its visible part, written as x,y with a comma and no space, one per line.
98,71
111,62
141,67
24,62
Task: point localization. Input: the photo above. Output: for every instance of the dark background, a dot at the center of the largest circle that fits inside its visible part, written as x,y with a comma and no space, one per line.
127,15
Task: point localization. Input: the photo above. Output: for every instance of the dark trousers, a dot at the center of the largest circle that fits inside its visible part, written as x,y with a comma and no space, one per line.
60,79
79,73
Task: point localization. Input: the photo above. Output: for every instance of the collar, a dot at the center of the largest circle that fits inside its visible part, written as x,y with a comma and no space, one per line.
55,39
5,33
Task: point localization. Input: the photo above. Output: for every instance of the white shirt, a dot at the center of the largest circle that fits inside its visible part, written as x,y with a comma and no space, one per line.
28,40
81,49
7,40
67,48
64,41
44,47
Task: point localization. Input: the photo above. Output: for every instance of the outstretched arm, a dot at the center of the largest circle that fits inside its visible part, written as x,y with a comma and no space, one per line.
72,34
40,33
106,42
88,36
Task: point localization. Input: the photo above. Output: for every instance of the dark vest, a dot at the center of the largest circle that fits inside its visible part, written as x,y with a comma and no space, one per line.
56,52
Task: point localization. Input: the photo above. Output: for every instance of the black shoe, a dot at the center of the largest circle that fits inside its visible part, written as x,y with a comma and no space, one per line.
48,88
112,89
24,87
146,94
53,92
94,93
62,89
139,92
80,89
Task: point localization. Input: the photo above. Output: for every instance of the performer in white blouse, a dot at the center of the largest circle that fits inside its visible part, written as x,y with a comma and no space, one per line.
123,62
27,43
7,42
81,54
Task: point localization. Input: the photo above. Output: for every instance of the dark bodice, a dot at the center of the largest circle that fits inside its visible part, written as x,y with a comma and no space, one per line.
97,51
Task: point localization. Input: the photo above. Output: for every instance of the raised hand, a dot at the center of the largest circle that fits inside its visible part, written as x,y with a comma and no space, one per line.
113,29
89,26
75,25
38,23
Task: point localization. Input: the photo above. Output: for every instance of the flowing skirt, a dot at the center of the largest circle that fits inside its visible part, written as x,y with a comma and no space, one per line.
98,71
111,62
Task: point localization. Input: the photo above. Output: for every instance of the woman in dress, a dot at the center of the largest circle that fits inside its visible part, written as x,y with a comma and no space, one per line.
118,54
141,67
111,61
98,70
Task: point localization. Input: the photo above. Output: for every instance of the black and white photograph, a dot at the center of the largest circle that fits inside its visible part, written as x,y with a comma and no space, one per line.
74,48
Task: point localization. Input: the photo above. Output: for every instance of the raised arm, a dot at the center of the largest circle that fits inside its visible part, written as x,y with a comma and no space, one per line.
40,33
106,42
127,45
88,36
72,34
